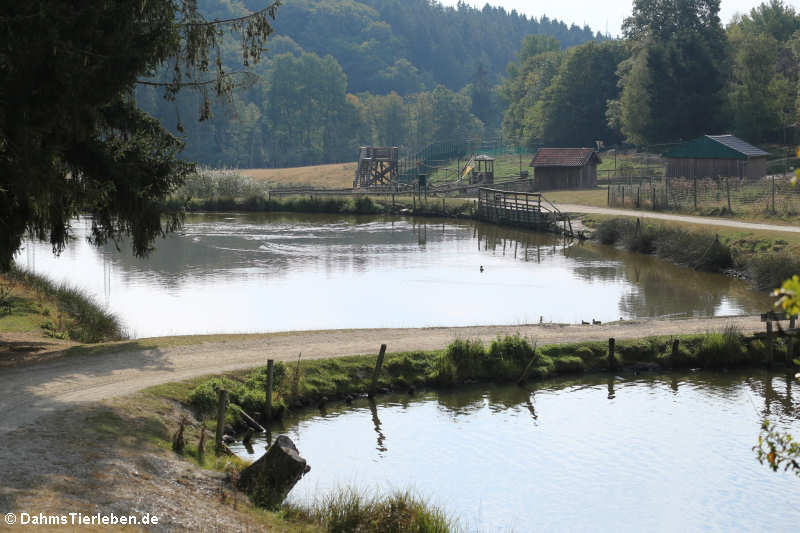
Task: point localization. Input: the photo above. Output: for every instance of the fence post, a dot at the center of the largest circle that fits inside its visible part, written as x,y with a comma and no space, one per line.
608,194
728,187
222,404
378,365
268,410
695,193
612,362
773,194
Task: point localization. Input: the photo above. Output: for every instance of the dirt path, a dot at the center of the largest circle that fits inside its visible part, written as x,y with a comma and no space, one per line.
708,221
32,390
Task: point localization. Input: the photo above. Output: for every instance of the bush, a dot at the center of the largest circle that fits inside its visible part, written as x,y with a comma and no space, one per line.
720,350
611,231
509,356
768,272
465,359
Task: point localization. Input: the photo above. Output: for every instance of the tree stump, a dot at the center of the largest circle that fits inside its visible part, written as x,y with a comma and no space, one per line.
269,480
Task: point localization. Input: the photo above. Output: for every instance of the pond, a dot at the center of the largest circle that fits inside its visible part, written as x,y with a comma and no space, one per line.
599,453
239,273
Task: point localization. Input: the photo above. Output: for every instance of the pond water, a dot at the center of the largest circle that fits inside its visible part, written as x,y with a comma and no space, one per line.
599,453
233,273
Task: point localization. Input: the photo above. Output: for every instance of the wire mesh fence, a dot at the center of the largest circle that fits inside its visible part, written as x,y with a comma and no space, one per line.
772,194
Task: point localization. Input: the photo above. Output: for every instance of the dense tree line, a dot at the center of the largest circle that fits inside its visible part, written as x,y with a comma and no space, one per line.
677,74
346,73
342,73
408,46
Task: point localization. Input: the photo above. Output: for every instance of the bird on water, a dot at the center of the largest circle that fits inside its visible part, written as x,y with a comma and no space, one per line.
481,268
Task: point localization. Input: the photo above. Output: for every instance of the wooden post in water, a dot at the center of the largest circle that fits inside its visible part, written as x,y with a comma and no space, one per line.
673,356
270,368
378,365
222,404
612,362
770,347
790,354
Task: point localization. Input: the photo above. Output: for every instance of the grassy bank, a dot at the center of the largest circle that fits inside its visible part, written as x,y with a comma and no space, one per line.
32,303
362,205
505,360
765,259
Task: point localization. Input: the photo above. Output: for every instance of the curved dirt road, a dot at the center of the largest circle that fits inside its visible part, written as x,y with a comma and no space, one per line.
31,390
708,221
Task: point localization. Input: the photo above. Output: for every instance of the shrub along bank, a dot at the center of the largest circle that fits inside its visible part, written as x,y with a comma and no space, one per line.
765,265
361,205
505,360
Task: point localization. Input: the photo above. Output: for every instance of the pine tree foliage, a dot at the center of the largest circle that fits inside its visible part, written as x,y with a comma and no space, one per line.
72,138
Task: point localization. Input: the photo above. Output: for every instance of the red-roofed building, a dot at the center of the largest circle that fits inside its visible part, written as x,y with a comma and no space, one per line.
565,168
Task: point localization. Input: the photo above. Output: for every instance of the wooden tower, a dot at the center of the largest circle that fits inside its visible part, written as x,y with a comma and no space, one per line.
377,165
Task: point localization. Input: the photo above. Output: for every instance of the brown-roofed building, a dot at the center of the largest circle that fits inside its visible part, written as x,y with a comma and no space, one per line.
565,168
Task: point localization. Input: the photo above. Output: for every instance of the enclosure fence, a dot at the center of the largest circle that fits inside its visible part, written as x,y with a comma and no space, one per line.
725,195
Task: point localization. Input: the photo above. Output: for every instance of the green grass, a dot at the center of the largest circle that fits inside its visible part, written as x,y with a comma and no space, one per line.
350,510
463,361
31,302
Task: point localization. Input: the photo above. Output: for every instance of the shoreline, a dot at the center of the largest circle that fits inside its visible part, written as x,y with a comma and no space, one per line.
93,373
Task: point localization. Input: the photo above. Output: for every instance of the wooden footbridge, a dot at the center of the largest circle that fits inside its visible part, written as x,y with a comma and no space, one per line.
522,209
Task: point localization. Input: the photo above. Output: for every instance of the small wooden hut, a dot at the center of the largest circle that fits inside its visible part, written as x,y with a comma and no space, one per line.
715,156
565,168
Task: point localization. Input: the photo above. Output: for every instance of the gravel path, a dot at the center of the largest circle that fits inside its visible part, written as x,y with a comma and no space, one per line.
32,390
708,221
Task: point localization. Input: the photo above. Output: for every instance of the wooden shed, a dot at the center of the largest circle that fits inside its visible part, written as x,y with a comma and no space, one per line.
715,156
565,168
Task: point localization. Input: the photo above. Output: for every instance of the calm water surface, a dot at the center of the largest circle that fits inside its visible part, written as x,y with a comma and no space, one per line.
660,453
275,272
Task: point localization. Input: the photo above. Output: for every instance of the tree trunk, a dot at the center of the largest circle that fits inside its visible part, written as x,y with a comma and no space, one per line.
269,480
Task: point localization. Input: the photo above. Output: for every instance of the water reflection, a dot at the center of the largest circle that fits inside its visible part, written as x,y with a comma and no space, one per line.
513,457
376,422
256,272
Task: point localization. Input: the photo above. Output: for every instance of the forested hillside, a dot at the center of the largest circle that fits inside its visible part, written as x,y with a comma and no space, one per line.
410,45
340,73
344,73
